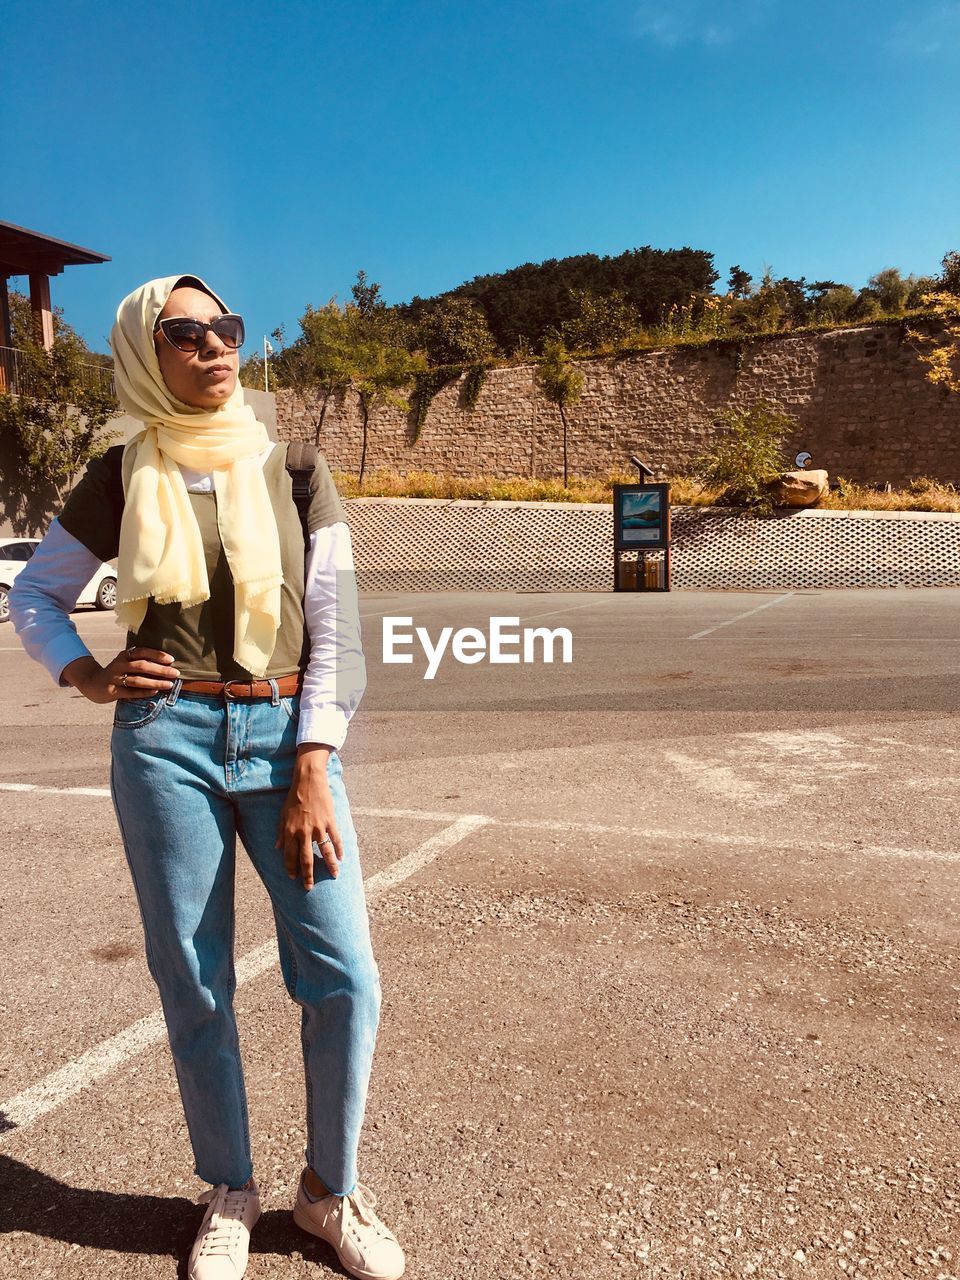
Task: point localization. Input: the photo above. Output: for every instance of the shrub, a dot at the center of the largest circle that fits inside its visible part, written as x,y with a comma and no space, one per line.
746,455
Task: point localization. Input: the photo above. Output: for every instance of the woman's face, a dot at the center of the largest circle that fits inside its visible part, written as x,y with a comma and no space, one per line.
204,378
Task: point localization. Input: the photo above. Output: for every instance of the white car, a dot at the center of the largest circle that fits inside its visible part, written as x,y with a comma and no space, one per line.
100,591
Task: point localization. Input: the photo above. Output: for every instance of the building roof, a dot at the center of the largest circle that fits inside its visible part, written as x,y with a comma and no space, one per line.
23,252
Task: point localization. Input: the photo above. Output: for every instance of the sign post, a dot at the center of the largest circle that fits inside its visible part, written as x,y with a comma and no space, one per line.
641,537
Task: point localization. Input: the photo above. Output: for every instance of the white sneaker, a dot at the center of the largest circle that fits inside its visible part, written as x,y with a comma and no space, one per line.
223,1241
364,1245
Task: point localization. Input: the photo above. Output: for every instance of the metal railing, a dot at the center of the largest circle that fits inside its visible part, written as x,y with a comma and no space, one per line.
18,378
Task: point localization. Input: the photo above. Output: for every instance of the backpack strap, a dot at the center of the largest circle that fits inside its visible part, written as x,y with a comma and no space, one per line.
301,461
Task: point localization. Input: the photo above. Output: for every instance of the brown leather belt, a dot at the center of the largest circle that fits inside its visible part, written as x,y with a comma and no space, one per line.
232,690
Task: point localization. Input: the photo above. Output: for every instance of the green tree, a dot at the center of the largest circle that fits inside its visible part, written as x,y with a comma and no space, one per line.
24,334
319,361
366,297
602,322
949,278
739,281
260,370
890,289
454,331
867,307
379,366
251,372
922,285
55,424
938,343
747,453
777,304
561,384
833,302
761,311
529,303
371,354
361,347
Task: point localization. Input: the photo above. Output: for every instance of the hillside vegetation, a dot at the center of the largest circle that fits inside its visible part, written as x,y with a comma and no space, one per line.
590,305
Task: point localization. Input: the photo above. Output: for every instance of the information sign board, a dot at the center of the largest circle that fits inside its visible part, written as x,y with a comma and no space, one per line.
641,517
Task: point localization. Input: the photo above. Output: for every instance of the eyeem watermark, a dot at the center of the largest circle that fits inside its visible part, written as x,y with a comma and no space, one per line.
506,643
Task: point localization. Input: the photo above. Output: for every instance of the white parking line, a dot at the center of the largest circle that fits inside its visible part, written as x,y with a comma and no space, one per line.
399,607
771,842
61,1085
730,621
405,605
56,791
665,835
18,648
549,613
407,866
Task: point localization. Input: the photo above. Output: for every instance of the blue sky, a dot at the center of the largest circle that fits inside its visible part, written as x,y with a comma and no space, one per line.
276,149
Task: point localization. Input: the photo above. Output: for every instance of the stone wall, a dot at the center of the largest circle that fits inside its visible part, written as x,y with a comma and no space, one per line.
863,405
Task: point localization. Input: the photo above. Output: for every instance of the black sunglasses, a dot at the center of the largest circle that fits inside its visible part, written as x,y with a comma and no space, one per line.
187,334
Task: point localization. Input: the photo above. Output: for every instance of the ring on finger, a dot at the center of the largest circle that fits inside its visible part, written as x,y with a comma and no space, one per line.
123,679
325,840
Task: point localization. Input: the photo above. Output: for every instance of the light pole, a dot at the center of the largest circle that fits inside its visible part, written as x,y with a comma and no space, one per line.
267,351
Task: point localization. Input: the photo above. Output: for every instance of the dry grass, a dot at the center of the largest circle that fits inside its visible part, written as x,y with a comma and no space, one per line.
426,484
923,494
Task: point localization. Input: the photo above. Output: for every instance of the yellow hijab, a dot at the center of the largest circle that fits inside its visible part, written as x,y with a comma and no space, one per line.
161,551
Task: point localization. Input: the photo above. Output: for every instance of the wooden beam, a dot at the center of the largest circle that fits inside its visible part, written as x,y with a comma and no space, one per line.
6,338
42,311
24,263
33,251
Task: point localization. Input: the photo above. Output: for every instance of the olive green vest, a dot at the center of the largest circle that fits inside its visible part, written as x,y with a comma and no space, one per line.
200,638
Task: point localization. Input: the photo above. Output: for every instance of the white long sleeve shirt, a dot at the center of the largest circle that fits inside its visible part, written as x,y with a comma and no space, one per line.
46,591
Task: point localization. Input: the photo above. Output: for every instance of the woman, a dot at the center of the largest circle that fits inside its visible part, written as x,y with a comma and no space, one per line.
217,734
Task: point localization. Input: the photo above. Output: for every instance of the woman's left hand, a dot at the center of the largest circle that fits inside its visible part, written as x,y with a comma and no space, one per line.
308,816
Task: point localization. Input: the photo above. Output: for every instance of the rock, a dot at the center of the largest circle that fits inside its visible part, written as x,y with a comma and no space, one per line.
799,488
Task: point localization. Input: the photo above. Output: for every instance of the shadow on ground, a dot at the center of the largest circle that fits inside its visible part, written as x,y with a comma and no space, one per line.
39,1205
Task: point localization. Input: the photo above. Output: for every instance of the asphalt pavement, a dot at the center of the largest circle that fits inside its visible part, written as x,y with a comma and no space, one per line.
667,935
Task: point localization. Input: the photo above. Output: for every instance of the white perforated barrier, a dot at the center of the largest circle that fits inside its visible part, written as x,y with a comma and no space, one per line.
429,544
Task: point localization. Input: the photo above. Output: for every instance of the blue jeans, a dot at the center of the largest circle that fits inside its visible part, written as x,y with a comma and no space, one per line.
189,775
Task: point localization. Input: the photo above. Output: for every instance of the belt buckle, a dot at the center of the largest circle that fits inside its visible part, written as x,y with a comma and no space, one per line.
227,695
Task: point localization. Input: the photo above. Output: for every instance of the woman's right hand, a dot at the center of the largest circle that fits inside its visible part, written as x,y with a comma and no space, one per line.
135,673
